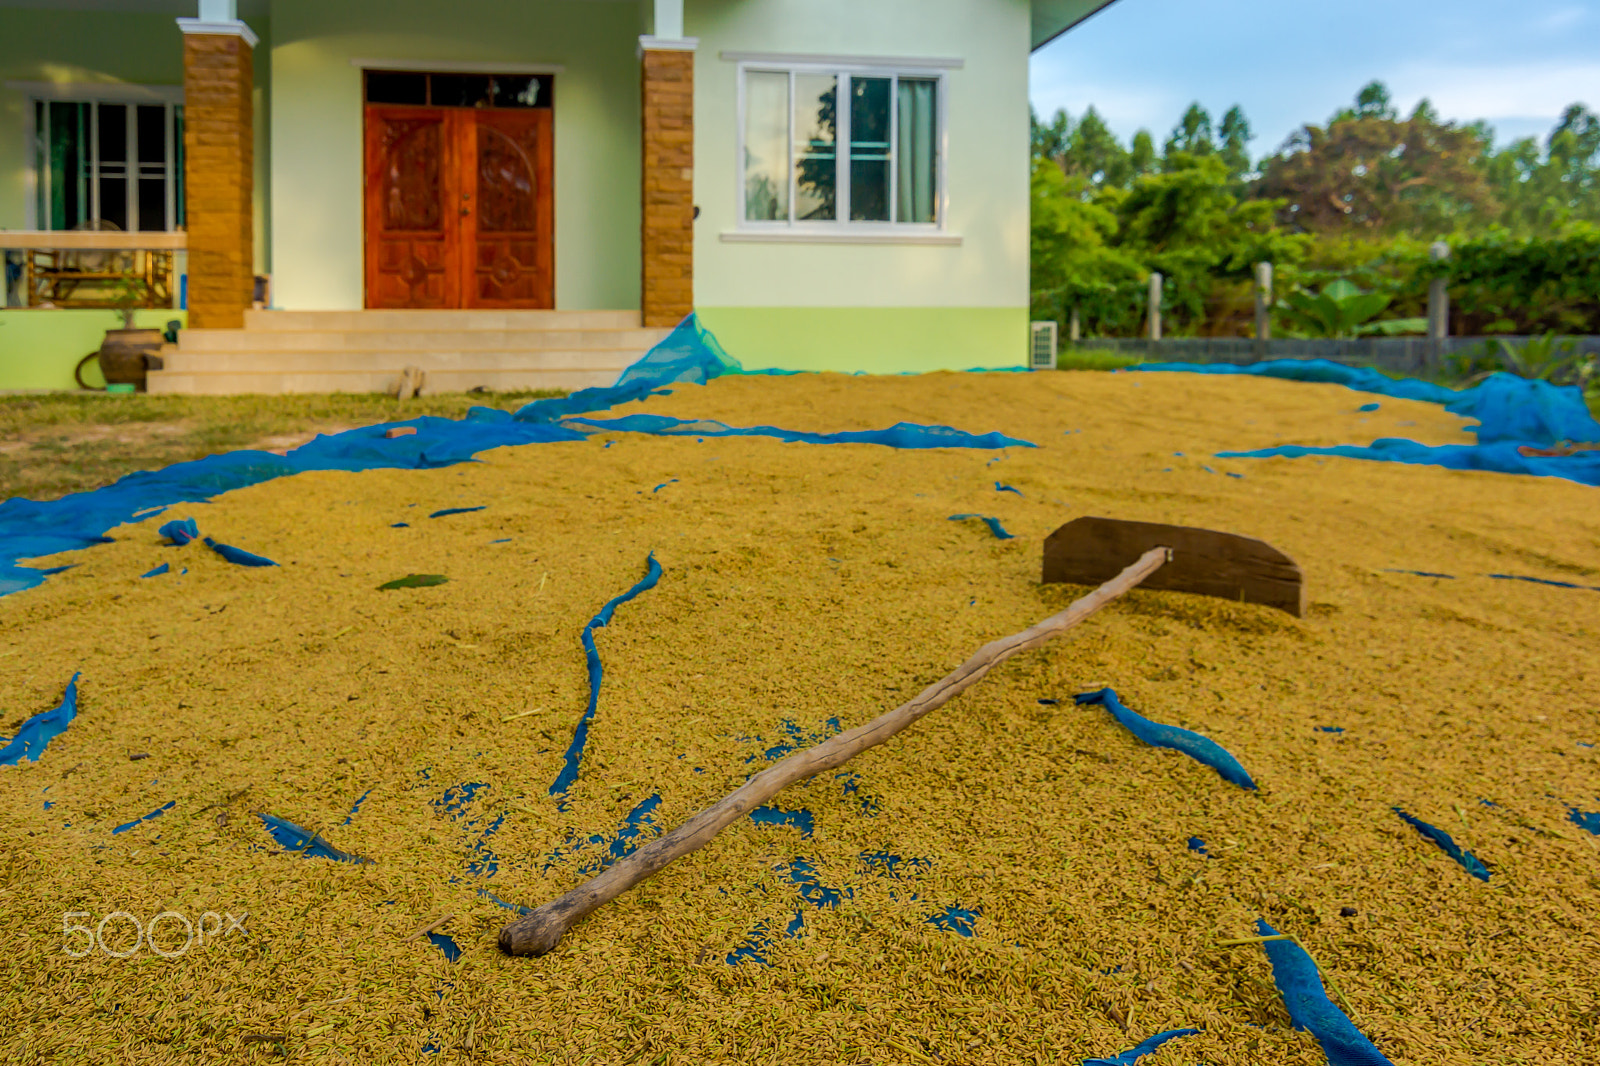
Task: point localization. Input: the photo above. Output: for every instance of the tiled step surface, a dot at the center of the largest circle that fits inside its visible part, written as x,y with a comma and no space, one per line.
171,382
367,351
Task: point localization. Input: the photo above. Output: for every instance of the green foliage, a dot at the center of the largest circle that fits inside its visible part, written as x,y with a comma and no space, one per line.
1341,310
1359,200
1549,358
1502,285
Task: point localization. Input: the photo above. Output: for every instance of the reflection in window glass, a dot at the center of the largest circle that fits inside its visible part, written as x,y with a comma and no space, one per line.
816,125
766,146
869,149
917,134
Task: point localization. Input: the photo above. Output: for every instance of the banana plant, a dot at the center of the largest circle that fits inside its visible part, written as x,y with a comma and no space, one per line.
1342,310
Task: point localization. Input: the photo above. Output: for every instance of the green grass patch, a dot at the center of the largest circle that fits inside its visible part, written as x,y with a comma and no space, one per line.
54,444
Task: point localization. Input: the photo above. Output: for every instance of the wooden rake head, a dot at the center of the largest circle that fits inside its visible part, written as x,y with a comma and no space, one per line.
1091,551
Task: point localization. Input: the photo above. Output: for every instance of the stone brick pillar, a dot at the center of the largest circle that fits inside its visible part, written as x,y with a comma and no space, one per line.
666,245
219,157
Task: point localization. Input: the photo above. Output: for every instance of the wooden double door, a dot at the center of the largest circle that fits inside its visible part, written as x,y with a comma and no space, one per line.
459,208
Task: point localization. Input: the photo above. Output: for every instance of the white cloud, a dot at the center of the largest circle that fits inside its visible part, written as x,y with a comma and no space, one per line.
1512,90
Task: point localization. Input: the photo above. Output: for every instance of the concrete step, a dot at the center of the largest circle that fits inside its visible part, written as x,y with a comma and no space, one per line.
310,362
415,340
440,320
190,383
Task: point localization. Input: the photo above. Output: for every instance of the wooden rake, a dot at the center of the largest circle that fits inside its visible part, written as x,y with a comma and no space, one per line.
1114,554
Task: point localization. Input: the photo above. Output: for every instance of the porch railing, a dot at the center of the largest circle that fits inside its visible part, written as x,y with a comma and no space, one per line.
95,268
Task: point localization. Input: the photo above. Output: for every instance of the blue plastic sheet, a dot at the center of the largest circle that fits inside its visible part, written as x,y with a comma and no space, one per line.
302,842
1198,845
1200,748
444,943
899,435
1310,1009
1510,411
993,523
37,732
1588,821
31,529
801,819
457,510
1466,859
238,556
998,487
1133,1055
580,736
158,812
180,531
157,572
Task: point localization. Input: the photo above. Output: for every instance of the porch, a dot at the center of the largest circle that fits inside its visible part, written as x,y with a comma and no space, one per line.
286,157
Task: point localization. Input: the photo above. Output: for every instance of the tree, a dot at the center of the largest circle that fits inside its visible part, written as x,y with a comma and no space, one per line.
1235,132
1093,152
1142,158
1371,172
1192,134
1071,262
1050,140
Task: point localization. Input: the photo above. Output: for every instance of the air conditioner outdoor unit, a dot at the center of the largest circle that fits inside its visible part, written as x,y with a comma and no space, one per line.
1042,350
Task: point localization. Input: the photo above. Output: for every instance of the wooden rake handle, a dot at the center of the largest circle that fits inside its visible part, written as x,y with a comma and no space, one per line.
539,931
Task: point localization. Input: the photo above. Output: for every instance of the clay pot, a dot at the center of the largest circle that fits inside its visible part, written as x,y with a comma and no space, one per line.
125,351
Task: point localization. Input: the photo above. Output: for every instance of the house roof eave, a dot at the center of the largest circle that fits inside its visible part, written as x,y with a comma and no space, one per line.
1052,18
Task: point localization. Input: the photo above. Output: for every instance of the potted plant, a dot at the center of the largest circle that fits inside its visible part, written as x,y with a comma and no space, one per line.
127,353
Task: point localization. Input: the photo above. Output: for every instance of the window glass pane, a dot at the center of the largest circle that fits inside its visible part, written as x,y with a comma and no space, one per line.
869,149
521,90
152,133
816,126
766,146
917,119
396,87
461,90
113,202
113,134
69,165
152,204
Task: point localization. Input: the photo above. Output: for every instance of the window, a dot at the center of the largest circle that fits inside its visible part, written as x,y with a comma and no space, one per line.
459,90
100,164
808,162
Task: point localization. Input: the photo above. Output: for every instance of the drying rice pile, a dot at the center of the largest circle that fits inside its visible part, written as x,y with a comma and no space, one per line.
802,583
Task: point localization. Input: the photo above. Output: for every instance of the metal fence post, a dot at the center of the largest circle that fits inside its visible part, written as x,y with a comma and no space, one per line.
1263,308
1155,305
1438,308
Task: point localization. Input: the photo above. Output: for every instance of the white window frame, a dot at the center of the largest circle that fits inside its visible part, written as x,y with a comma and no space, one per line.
36,93
847,229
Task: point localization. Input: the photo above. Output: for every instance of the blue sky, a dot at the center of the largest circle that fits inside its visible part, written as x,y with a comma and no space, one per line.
1515,63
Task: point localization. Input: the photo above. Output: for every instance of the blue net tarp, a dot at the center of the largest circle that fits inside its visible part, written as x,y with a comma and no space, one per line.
1511,411
688,355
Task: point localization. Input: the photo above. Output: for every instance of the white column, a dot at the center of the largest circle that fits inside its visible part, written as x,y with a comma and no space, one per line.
219,10
669,19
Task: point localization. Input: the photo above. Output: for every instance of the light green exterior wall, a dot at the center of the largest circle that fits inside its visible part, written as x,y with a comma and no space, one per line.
317,132
39,348
878,340
852,306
